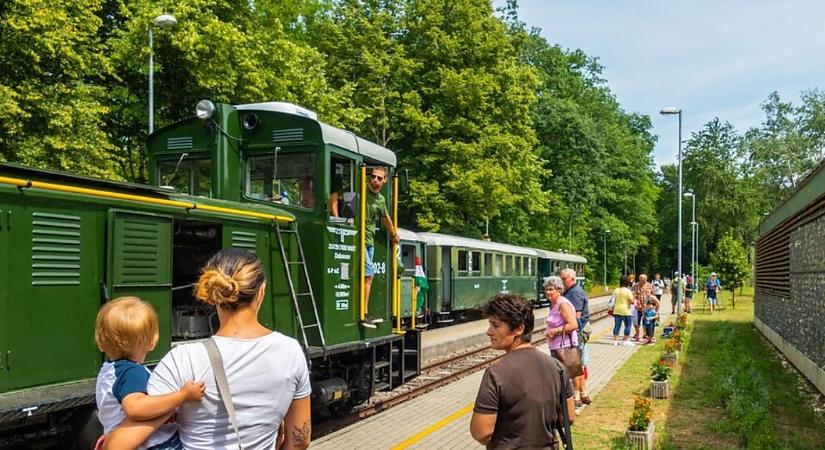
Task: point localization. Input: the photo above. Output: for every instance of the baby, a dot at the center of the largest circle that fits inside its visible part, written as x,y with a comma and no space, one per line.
126,330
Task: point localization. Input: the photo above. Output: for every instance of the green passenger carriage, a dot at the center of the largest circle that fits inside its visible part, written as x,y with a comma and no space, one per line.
256,177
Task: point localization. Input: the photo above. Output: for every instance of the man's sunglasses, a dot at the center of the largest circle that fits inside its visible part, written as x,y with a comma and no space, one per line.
377,177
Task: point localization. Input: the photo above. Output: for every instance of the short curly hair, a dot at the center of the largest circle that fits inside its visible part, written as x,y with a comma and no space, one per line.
512,309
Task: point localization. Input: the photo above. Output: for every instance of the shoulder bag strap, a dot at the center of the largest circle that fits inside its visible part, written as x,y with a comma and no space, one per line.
216,362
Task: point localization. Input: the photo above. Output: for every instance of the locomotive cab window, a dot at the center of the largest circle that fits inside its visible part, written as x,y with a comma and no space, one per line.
284,178
342,198
188,175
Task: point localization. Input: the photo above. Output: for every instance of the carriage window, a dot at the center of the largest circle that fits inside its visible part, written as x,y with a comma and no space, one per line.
408,259
526,267
508,265
488,264
188,175
475,262
498,268
462,262
285,178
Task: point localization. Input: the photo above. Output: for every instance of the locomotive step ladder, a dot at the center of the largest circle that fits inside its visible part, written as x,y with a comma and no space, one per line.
308,295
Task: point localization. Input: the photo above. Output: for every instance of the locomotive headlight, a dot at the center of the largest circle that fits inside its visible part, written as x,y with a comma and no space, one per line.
205,109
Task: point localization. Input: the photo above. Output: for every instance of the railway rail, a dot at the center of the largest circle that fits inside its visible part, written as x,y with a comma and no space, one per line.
433,376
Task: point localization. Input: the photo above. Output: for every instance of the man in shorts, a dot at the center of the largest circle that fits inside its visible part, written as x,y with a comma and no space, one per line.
658,287
689,288
376,210
678,290
712,288
576,295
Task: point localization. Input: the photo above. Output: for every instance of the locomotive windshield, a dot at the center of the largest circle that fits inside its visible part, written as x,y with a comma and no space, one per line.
188,175
285,178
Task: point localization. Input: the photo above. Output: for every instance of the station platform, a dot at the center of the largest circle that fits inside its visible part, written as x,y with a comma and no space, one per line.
439,342
441,419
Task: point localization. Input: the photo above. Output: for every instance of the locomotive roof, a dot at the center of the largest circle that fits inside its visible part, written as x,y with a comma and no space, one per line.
330,134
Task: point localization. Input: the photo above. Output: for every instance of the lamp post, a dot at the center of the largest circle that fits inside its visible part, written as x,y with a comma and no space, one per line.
161,21
606,232
668,111
692,197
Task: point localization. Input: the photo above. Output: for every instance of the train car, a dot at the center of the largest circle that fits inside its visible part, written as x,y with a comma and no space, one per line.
256,177
552,263
463,273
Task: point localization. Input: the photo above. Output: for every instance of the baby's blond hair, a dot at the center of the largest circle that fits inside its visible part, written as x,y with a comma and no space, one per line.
126,325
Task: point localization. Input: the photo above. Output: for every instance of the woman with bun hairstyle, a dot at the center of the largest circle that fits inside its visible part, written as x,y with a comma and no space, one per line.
266,370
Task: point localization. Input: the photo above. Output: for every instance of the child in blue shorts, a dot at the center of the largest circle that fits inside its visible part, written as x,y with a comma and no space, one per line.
649,321
126,330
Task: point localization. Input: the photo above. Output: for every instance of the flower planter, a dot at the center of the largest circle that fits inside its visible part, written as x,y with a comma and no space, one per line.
670,359
659,389
641,440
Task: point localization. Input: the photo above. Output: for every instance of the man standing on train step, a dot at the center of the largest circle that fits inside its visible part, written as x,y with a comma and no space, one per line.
376,210
575,294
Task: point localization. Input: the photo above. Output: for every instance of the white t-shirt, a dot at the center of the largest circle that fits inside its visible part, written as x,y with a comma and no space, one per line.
658,287
265,374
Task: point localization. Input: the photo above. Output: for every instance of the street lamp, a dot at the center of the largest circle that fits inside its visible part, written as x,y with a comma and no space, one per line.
669,111
606,232
161,21
693,237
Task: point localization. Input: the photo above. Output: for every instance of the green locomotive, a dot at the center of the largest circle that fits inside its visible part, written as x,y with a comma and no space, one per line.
256,177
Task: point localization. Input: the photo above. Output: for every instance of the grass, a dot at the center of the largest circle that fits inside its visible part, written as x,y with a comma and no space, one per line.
729,391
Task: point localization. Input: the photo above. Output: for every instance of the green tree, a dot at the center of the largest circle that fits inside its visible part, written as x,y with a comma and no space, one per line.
730,261
52,102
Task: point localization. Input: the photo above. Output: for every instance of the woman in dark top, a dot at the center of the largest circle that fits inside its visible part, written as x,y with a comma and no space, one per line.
518,402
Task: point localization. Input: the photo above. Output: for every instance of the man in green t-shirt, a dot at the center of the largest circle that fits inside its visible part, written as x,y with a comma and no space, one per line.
376,210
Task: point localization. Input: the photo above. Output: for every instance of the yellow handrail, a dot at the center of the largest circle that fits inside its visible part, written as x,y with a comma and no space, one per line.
396,294
362,229
139,198
413,304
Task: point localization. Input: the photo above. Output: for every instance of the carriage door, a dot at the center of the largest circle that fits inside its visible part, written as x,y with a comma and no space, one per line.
139,263
447,277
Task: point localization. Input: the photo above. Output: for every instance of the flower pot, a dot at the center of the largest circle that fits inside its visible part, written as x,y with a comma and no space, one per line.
641,440
659,389
670,359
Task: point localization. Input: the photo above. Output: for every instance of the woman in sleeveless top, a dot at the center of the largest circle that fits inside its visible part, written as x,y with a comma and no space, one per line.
562,328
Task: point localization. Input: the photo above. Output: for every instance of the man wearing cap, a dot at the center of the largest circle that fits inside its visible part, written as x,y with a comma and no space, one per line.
712,287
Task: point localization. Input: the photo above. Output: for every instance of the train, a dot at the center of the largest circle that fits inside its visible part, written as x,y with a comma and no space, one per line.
257,177
463,273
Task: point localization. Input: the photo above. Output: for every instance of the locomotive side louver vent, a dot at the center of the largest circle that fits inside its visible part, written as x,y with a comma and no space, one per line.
244,241
141,262
288,135
179,143
55,250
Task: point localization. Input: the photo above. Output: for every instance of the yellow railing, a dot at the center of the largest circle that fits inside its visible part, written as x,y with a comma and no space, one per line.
362,229
140,199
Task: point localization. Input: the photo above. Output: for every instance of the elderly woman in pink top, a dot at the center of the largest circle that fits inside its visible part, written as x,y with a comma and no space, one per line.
562,318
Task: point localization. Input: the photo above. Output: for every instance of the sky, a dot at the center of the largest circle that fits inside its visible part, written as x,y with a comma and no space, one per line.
709,58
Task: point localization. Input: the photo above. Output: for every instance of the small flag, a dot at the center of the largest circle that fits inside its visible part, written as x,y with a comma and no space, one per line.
421,283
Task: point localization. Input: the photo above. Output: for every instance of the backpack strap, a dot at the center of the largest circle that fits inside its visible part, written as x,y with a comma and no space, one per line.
218,370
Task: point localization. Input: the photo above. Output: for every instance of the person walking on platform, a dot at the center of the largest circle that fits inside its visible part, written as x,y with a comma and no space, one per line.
577,297
519,402
658,287
622,301
690,287
712,288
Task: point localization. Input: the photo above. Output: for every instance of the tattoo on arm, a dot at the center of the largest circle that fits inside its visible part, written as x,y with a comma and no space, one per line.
301,436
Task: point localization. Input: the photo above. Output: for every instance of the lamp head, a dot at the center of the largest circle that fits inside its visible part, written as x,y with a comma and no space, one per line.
164,21
688,194
670,110
607,230
204,109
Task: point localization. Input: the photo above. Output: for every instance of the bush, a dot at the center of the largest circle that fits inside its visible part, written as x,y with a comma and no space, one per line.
659,371
642,412
681,324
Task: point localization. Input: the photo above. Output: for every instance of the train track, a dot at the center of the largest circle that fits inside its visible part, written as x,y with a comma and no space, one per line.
432,377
